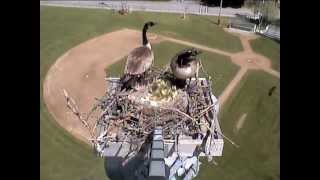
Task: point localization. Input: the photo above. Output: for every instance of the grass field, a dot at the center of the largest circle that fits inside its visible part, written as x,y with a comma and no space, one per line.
65,158
268,48
219,67
258,156
199,29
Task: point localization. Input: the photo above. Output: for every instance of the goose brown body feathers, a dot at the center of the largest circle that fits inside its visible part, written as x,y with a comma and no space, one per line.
139,60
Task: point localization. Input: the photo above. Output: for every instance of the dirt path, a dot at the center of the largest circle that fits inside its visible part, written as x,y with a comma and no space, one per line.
246,59
199,46
231,86
81,72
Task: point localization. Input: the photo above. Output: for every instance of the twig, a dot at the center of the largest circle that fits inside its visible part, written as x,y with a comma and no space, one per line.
233,143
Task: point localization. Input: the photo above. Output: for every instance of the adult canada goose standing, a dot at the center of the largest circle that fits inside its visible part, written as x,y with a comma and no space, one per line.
139,60
185,64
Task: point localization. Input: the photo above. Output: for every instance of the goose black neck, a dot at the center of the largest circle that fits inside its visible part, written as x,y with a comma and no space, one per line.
144,35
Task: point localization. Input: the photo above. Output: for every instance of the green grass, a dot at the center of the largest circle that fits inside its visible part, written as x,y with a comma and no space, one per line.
64,158
93,22
268,48
258,156
219,67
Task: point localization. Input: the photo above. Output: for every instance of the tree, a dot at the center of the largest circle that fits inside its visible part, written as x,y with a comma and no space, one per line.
269,11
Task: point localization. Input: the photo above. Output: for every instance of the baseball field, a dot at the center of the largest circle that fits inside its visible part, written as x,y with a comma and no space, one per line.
79,46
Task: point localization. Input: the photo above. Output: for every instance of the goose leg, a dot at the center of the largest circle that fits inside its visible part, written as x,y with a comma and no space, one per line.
197,72
189,83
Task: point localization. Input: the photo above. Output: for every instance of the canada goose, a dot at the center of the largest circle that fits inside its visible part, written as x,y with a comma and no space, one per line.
139,60
185,64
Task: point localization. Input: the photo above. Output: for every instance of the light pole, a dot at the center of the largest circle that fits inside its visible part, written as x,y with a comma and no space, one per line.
220,12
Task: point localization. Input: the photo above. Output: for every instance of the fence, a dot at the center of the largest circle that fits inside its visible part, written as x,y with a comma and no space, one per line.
242,24
273,32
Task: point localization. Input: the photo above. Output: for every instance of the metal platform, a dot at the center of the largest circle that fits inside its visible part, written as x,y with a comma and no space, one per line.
168,158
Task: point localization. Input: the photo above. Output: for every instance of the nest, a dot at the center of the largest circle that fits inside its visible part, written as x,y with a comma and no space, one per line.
131,116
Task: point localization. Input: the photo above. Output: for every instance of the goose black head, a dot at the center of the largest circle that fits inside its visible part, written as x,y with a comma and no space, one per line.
187,55
193,52
190,53
149,24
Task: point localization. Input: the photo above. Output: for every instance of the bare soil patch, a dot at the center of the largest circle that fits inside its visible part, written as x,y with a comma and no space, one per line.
81,72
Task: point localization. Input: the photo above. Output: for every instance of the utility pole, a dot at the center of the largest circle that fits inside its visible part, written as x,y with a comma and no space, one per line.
220,12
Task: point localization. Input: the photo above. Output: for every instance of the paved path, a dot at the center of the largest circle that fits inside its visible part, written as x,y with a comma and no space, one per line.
192,7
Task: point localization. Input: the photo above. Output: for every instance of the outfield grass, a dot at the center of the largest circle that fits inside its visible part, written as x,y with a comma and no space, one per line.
258,156
65,158
268,48
219,67
93,22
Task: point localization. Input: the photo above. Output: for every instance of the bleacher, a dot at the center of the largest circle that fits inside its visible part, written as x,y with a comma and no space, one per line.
272,32
242,24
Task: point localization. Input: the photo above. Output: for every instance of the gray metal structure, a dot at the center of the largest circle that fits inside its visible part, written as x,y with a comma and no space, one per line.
161,158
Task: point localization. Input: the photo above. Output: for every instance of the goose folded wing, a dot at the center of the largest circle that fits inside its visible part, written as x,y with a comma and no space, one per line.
139,60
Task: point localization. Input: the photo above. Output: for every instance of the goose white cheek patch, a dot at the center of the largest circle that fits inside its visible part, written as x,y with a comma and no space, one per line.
148,45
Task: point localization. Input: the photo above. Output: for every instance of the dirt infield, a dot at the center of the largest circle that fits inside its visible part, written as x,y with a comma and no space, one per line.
80,71
247,59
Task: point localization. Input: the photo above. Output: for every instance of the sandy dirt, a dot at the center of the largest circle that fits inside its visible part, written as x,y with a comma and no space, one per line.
246,59
80,71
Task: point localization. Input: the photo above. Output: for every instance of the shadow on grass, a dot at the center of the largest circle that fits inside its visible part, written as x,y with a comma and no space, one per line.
215,22
116,171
